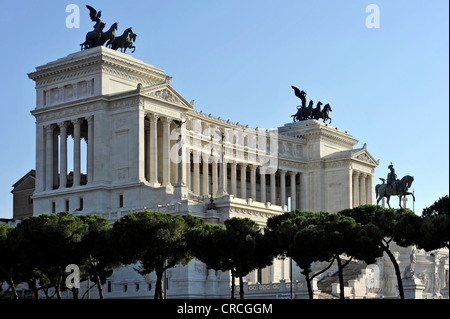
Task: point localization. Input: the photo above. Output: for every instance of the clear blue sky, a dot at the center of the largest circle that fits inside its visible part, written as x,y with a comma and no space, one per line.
388,86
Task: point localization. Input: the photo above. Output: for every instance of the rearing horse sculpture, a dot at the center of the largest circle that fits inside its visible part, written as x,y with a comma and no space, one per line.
385,190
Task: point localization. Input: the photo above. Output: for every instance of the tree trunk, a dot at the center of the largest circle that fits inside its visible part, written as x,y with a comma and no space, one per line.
99,286
232,285
306,272
75,293
159,293
241,287
13,288
58,287
397,270
341,278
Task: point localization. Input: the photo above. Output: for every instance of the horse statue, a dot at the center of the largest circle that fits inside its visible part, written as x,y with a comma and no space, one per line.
124,41
109,35
325,114
386,190
317,111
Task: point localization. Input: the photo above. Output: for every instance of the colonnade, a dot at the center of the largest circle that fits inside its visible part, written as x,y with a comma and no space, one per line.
361,188
55,170
217,175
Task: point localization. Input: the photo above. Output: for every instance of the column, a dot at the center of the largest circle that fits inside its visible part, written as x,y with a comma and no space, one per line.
55,156
362,189
76,152
205,176
369,189
233,178
243,180
273,190
304,191
355,189
282,188
63,155
262,182
214,176
223,178
90,149
196,175
253,181
293,191
49,157
153,160
166,151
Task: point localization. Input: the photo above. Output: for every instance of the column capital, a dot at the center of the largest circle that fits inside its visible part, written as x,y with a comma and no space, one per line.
63,124
292,173
253,167
77,121
89,118
282,171
166,119
49,127
153,116
243,165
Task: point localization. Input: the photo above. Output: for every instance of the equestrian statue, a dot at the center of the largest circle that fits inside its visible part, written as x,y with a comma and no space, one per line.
97,37
393,186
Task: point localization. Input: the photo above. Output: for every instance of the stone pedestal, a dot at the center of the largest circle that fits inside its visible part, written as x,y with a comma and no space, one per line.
413,288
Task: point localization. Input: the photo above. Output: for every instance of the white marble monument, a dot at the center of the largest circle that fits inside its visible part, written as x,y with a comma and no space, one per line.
108,132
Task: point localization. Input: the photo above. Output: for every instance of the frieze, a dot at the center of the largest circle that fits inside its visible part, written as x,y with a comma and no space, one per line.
67,112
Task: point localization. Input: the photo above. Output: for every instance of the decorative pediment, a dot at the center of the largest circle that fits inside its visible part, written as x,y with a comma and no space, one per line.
165,92
364,156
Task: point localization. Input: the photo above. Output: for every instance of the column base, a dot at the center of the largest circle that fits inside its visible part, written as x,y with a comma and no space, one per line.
155,184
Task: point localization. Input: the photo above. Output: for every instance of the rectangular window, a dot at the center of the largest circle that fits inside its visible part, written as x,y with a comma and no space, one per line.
81,203
53,207
109,286
121,200
67,205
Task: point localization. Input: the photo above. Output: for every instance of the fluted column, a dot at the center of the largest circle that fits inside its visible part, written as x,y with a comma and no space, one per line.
90,149
253,181
76,152
233,179
362,189
214,176
293,190
63,154
243,180
49,157
355,189
205,176
153,161
273,190
262,182
369,189
282,187
223,178
196,175
166,151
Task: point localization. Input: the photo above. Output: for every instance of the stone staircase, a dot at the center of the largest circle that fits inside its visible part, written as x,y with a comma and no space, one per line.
350,272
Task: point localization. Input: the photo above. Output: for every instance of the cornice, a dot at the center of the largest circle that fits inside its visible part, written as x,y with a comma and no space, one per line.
95,60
